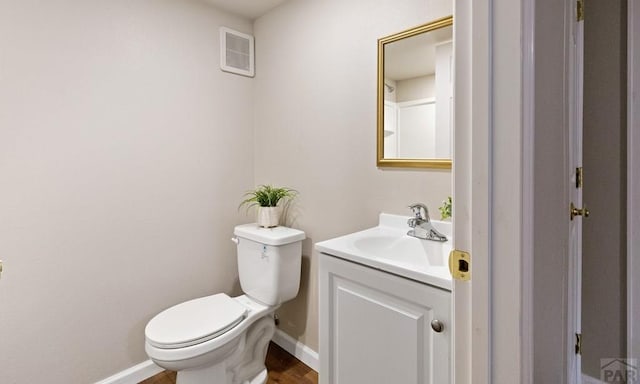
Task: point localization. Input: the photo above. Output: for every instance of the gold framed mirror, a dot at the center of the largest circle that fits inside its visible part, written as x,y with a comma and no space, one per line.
415,97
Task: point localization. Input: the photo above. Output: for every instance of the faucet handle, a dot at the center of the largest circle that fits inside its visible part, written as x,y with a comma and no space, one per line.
417,208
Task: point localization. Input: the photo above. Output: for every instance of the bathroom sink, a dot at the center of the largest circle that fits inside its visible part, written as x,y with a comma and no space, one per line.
388,247
402,248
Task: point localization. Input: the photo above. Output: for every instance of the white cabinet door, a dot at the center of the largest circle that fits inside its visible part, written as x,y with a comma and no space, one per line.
375,327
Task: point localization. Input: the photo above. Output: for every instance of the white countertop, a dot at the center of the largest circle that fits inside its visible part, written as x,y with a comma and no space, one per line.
387,247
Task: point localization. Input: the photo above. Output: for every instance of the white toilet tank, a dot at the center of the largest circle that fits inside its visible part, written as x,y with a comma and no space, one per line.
269,262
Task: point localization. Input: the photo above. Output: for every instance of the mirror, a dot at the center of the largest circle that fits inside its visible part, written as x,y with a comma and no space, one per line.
415,97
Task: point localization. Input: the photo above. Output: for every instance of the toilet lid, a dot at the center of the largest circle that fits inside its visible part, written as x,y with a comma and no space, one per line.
194,321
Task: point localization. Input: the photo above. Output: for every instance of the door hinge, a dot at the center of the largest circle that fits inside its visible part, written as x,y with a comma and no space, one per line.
460,265
579,177
578,343
580,10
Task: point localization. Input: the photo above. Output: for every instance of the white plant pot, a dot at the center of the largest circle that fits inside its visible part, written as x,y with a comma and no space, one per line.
268,216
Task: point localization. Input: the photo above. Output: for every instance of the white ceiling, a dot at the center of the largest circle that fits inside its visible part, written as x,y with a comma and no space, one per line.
251,9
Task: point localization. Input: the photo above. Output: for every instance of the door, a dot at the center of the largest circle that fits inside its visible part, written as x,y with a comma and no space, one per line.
577,209
597,143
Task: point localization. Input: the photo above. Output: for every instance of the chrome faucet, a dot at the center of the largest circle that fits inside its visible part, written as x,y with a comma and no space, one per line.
421,225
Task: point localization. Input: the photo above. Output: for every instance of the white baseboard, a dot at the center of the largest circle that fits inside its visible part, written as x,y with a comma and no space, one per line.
590,380
146,369
133,375
297,349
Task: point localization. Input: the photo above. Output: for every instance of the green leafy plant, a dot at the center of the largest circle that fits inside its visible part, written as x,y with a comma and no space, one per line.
445,209
267,196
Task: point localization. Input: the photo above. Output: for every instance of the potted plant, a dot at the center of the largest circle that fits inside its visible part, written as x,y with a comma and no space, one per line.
266,198
445,209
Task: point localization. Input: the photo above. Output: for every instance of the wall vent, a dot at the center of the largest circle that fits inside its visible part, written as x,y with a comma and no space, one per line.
236,52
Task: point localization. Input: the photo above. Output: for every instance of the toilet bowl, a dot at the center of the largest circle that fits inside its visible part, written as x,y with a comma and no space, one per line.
220,339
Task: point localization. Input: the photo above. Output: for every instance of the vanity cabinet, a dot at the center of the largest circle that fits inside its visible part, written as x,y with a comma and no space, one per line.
376,327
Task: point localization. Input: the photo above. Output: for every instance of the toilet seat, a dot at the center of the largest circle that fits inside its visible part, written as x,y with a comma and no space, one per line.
194,321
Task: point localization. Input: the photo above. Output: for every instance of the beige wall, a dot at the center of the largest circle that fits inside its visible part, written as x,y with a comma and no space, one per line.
123,153
422,87
315,106
604,241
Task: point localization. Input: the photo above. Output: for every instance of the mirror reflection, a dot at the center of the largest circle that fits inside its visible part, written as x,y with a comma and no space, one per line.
415,96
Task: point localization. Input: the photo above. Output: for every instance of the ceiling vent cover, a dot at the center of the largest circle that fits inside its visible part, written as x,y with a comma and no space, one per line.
236,52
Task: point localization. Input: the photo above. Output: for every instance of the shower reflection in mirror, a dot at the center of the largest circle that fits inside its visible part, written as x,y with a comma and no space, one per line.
415,99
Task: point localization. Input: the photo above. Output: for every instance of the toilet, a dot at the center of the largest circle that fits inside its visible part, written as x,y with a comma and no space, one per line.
219,339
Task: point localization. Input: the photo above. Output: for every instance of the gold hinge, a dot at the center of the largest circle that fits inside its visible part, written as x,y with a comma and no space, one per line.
580,10
579,177
460,265
578,344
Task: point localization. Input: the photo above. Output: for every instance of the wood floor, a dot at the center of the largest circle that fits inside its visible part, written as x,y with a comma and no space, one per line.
282,367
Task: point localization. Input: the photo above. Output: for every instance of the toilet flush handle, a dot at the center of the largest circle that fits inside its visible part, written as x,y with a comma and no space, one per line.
235,240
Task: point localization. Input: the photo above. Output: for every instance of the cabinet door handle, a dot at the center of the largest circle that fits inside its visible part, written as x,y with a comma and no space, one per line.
437,325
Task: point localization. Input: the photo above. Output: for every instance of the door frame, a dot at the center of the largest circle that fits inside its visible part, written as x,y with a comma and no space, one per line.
480,145
471,357
575,159
492,188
